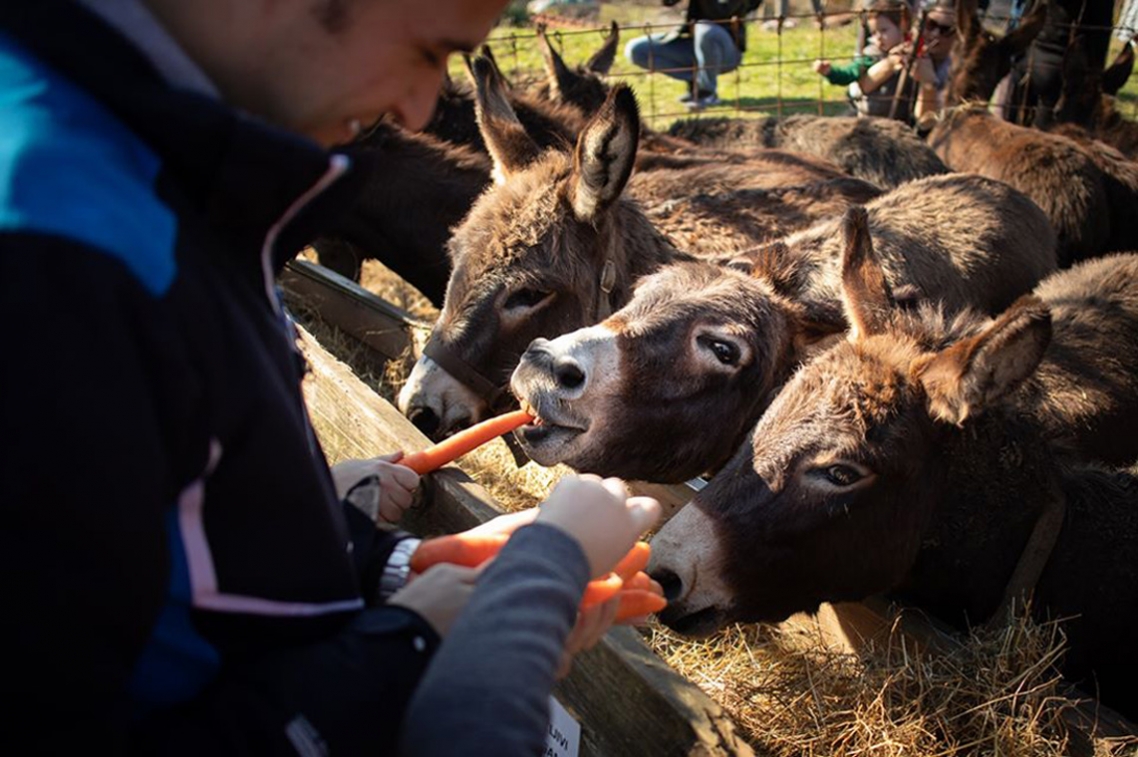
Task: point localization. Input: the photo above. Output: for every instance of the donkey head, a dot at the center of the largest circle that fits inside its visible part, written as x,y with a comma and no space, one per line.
666,388
981,58
1084,87
536,256
829,498
581,86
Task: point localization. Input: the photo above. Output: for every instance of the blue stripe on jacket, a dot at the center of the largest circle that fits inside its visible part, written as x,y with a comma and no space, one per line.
69,168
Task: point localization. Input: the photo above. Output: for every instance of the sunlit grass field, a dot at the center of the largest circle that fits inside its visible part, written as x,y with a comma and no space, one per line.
775,77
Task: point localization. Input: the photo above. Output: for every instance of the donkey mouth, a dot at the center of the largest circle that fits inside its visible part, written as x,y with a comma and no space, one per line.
549,425
696,624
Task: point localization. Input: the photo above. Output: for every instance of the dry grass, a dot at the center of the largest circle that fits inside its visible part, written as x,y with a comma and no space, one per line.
995,694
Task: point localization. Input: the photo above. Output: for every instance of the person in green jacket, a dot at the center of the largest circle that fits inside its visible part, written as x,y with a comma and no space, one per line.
889,23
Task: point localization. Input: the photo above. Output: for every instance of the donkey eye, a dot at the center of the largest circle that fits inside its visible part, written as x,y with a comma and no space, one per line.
725,352
526,298
842,475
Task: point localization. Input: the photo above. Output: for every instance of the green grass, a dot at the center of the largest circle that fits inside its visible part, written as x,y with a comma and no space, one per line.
775,78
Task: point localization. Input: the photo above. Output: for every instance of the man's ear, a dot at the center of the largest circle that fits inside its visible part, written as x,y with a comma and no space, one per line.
970,376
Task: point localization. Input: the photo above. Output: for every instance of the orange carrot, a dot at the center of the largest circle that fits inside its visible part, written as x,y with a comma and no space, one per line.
459,444
635,603
458,549
601,590
635,561
643,582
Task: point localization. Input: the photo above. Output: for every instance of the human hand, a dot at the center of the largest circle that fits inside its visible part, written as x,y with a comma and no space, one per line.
923,71
591,625
601,516
397,483
822,67
438,594
505,524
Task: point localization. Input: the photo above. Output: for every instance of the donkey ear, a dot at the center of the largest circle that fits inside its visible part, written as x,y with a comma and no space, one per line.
602,59
968,377
510,146
1118,72
559,76
865,292
488,54
1017,40
605,153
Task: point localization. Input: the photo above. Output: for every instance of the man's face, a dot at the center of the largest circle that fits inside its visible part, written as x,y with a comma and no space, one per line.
342,70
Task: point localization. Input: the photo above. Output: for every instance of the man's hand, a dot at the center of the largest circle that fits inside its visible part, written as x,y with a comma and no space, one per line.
439,594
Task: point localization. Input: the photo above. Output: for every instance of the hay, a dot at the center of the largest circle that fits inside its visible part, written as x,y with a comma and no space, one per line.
997,693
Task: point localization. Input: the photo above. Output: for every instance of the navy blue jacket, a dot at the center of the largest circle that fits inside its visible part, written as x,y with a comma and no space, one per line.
179,574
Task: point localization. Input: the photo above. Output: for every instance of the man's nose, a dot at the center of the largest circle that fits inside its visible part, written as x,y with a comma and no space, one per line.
417,106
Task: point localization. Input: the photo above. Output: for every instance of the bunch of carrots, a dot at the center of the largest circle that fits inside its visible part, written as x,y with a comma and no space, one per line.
639,594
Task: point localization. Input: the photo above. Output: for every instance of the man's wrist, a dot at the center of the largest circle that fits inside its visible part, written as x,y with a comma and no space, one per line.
397,570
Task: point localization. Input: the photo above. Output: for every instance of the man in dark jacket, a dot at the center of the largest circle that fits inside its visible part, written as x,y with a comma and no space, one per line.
182,575
710,42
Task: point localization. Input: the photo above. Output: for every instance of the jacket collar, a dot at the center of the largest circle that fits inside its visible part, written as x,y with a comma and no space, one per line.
244,175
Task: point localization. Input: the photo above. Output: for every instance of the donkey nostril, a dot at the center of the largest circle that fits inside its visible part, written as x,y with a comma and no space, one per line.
672,584
424,419
568,374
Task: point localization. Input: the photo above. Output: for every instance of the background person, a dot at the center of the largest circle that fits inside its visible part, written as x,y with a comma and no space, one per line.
929,66
187,577
889,31
708,44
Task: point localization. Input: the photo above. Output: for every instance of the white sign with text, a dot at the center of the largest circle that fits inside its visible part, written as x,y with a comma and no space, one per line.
563,738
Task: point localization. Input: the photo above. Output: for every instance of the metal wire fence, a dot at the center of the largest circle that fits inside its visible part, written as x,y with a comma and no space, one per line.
773,77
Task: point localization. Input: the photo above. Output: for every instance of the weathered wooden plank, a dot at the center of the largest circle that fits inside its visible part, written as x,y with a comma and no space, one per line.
629,703
349,307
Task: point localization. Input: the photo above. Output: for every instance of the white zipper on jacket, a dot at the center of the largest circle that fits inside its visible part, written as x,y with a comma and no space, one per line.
338,165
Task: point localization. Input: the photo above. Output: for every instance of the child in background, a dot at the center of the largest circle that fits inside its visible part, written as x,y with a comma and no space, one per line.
889,29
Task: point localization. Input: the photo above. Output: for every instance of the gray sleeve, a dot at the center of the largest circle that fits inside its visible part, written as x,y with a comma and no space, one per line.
486,692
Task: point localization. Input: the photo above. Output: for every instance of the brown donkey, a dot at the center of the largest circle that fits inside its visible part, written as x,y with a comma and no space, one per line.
922,458
882,151
554,246
1054,171
668,387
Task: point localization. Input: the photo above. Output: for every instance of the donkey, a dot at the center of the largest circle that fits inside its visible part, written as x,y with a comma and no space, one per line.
554,246
882,151
580,86
667,388
415,187
919,458
1086,111
548,123
980,59
584,87
1052,170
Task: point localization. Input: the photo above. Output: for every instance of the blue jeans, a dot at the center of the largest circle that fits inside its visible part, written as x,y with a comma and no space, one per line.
711,51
